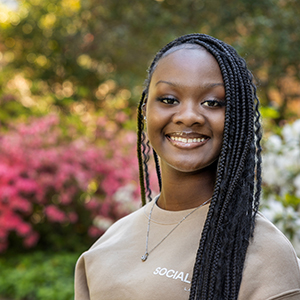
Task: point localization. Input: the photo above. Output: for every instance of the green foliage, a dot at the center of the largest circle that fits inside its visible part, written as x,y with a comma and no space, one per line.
38,276
291,200
69,50
269,113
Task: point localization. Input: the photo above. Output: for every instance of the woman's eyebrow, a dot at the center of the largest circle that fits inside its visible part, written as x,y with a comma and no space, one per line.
204,86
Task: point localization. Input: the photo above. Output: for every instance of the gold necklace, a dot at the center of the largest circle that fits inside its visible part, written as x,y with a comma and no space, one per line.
147,253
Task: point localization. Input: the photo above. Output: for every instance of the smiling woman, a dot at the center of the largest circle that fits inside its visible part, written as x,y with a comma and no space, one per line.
202,237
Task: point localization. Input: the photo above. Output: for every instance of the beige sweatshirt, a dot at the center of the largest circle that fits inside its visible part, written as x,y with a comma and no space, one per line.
112,269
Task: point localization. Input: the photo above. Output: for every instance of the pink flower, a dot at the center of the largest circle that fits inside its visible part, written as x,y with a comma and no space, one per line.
106,207
31,240
110,185
94,232
102,121
54,214
43,171
73,217
23,229
66,198
93,204
3,234
20,204
26,185
8,191
121,117
10,221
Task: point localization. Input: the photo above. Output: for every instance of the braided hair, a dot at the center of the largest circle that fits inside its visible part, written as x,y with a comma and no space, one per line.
230,220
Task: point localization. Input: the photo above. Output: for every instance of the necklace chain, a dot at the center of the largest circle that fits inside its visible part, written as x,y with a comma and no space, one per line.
147,253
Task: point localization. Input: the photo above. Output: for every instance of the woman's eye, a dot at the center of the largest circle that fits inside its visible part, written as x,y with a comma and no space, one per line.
168,100
213,103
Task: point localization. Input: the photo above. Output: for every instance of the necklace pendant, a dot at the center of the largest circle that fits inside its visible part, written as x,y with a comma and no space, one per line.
145,256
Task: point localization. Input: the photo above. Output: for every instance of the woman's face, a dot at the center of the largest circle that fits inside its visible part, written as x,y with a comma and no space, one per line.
185,110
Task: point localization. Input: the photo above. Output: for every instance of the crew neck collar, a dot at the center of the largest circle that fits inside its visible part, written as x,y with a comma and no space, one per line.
168,217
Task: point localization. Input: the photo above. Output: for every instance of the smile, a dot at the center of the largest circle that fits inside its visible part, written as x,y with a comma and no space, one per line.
187,140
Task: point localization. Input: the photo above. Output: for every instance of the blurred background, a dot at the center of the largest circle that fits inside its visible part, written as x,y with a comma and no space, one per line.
71,74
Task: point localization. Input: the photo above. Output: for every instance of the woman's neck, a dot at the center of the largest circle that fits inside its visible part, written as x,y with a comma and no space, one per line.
182,191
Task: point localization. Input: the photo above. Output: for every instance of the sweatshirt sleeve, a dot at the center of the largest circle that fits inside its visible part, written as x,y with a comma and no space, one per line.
81,284
271,269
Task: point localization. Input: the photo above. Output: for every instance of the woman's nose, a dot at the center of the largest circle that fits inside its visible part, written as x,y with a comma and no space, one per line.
188,113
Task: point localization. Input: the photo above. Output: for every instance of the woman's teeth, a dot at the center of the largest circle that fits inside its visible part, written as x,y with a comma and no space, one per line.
185,140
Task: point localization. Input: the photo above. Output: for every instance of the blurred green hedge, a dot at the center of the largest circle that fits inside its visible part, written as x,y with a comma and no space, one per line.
38,276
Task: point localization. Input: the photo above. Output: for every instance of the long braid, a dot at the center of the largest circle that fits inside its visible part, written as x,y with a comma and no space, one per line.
146,150
157,167
140,128
258,136
143,149
230,220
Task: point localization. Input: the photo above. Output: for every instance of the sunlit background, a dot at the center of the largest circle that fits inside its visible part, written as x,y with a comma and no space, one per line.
71,74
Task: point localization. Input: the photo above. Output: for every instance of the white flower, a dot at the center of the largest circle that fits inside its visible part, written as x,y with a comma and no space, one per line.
102,222
274,143
270,168
125,193
287,132
296,127
125,196
291,213
281,176
297,221
291,133
273,209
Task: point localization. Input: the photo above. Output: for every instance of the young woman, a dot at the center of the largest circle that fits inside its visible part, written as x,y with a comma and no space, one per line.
202,237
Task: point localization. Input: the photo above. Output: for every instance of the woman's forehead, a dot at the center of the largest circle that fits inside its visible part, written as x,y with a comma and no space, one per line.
188,65
176,48
183,46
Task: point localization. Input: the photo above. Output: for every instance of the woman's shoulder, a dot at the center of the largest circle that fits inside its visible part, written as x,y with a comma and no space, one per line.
271,249
268,239
128,222
271,267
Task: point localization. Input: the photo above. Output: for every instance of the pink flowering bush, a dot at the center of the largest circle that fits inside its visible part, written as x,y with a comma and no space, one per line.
62,192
